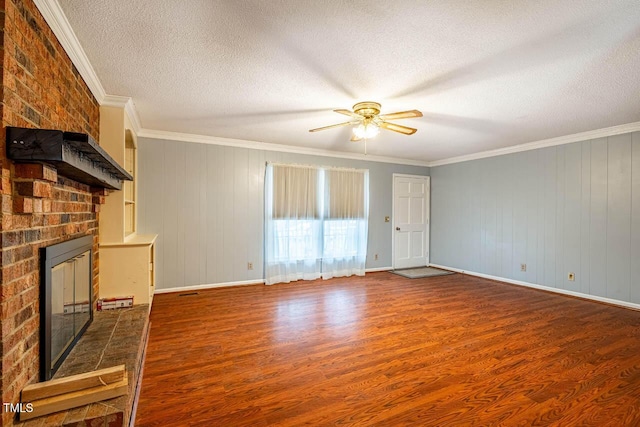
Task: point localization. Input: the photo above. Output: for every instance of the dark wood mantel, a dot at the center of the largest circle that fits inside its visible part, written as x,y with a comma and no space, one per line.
76,155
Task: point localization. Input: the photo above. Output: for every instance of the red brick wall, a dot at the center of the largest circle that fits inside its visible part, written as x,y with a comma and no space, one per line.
42,89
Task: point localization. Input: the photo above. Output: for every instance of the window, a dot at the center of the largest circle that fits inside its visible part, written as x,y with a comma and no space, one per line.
316,222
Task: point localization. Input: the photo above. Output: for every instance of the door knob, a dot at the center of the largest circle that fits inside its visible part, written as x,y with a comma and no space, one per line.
397,228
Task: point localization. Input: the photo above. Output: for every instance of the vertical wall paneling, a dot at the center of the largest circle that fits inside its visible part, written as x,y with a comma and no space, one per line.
454,242
598,229
475,213
439,233
560,235
506,241
202,214
550,161
585,218
539,157
499,202
464,228
520,224
255,209
635,218
170,214
570,208
571,218
481,187
180,165
241,215
149,202
530,192
230,240
220,188
206,204
489,219
462,202
213,259
619,217
194,227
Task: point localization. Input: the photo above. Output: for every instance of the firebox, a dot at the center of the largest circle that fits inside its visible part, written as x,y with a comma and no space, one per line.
65,300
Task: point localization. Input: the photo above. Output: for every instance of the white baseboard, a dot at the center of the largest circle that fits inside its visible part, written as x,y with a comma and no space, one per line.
373,270
542,287
240,283
208,286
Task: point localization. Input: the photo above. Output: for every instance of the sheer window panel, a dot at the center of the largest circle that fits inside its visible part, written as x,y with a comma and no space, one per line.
293,248
316,222
346,222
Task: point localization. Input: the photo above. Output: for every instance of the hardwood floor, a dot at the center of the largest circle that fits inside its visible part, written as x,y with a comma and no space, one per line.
389,351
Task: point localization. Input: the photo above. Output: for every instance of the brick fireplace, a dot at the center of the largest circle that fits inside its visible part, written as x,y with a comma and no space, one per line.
40,206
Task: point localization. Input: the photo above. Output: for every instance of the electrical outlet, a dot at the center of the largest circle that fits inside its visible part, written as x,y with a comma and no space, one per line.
572,277
375,257
249,266
523,267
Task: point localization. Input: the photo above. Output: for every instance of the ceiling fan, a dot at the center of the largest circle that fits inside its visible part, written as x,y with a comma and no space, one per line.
367,117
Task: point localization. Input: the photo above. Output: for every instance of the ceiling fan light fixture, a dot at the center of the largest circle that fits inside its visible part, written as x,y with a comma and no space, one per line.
367,120
366,130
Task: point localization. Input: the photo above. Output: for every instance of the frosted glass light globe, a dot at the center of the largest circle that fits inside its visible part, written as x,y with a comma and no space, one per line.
366,131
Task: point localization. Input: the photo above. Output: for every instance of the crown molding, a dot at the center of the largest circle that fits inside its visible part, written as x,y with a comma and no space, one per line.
116,101
129,107
57,21
203,139
561,140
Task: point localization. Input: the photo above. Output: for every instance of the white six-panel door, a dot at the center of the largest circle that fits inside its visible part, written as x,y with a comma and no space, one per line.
410,221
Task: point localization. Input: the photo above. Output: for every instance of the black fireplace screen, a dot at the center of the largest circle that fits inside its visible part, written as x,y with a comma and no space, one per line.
66,295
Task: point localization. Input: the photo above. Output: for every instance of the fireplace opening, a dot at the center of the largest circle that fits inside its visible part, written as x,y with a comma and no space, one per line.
65,303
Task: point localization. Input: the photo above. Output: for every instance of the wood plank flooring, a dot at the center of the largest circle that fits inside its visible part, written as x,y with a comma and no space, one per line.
383,350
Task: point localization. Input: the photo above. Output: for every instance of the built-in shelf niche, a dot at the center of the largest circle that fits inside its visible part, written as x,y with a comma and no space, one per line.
127,259
130,186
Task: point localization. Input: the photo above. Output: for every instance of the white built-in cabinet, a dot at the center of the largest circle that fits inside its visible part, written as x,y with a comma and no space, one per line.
127,259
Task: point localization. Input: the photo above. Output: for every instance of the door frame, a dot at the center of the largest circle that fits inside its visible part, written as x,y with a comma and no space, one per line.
427,201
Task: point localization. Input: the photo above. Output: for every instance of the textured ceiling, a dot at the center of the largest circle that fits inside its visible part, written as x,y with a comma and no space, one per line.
486,74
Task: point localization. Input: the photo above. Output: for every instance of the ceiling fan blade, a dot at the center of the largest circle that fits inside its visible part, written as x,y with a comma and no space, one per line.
332,126
348,113
401,115
398,128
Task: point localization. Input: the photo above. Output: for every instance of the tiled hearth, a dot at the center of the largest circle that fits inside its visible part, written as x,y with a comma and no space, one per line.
115,337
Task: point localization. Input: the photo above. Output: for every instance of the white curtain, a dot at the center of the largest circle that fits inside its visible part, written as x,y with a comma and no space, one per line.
315,222
345,223
292,225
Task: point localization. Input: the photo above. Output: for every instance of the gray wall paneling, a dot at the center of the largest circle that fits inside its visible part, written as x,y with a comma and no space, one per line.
170,213
150,200
570,208
560,234
194,219
619,218
571,216
505,242
635,218
585,218
206,204
598,223
439,210
550,217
